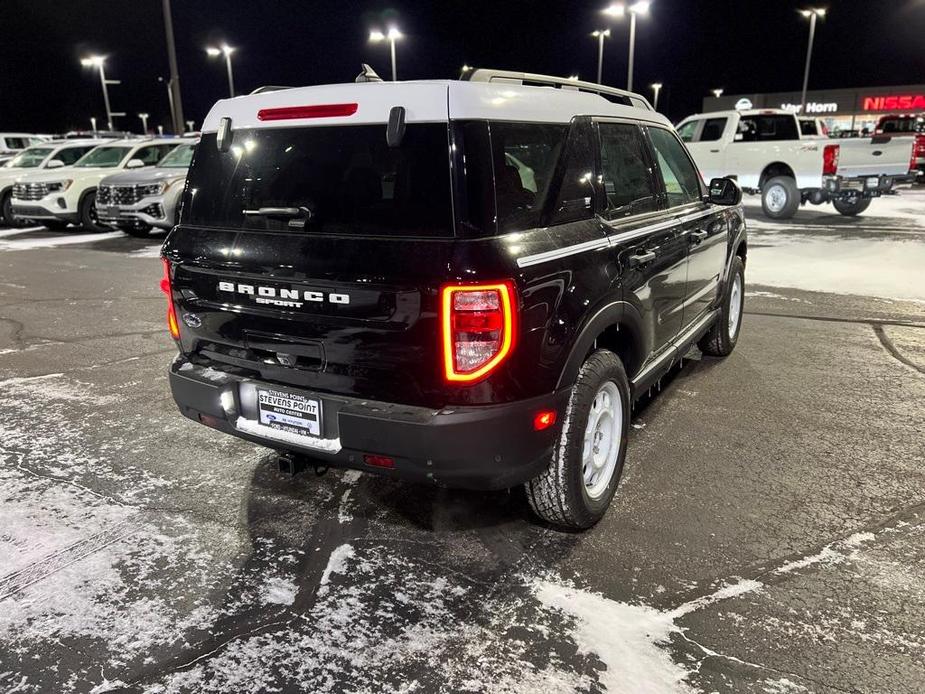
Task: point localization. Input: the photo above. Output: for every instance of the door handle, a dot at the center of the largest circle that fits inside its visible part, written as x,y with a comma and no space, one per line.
642,257
714,151
698,236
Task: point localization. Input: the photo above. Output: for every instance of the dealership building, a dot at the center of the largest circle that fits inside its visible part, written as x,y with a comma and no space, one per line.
841,109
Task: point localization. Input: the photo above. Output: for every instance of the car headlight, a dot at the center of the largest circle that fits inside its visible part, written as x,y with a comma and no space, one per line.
58,186
152,189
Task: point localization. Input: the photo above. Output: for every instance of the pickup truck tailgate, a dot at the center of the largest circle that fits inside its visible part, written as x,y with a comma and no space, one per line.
879,155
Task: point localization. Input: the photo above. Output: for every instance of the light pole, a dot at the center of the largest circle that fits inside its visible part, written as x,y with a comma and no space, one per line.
617,10
656,87
93,124
225,50
144,123
811,14
600,35
717,92
97,61
393,35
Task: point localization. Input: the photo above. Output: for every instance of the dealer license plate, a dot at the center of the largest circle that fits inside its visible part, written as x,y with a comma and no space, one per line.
289,412
113,211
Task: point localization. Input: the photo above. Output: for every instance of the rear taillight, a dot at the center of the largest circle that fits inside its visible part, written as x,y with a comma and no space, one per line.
172,324
477,329
830,160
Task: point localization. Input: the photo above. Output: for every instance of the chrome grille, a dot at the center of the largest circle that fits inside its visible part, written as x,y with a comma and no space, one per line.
30,191
125,195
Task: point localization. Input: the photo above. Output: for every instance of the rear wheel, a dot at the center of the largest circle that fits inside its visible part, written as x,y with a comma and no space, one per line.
721,339
851,206
780,197
575,490
89,219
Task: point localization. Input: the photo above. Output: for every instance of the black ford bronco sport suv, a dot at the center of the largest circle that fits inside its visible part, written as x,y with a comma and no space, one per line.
466,283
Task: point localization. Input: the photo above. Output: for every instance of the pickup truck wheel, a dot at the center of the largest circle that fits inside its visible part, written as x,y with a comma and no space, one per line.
575,490
88,216
721,339
852,206
780,197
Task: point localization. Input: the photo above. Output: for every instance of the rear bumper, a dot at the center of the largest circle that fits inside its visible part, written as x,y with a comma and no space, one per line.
475,447
865,186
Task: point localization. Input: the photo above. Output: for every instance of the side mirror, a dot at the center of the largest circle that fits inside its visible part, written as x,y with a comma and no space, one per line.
54,164
135,164
724,191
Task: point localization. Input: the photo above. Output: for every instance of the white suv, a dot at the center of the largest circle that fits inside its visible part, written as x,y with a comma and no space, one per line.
68,194
48,155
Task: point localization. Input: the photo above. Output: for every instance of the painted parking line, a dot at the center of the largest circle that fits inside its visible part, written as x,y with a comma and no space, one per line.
53,241
15,232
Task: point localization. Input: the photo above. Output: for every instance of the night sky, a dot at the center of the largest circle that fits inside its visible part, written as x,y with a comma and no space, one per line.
689,45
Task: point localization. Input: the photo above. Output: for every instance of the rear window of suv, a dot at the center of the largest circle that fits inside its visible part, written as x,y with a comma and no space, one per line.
340,179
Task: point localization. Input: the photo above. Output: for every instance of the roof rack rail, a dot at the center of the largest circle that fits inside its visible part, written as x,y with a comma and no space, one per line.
269,88
530,78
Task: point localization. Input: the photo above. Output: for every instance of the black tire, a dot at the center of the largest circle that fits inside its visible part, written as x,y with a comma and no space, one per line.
142,232
723,335
559,494
53,224
780,197
88,217
851,207
6,210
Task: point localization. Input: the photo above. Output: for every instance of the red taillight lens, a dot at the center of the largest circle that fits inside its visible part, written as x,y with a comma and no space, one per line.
379,460
172,324
296,112
830,160
477,329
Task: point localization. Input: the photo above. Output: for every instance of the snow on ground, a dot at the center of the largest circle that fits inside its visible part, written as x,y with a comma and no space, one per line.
880,253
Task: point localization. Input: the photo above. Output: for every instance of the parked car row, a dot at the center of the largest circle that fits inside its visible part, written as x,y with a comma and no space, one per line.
130,184
789,162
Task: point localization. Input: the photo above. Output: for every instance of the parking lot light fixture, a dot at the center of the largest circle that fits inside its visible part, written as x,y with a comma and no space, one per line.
656,87
393,34
617,9
717,92
144,122
600,35
812,14
226,50
98,62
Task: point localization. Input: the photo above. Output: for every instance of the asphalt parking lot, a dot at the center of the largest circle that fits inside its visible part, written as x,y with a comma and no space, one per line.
768,534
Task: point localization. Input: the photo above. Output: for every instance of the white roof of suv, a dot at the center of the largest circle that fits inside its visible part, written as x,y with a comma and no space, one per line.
486,95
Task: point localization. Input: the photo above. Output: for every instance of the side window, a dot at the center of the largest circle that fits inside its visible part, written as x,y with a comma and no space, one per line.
627,175
712,130
576,190
525,157
768,128
151,155
686,131
71,154
682,182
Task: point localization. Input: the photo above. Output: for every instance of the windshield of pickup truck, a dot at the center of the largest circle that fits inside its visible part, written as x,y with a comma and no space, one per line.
30,158
179,158
331,179
103,157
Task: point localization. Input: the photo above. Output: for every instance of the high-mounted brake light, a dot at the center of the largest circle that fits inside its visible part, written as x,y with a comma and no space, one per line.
477,329
318,111
172,325
830,160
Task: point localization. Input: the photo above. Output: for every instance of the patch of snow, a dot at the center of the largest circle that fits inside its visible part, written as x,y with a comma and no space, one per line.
53,241
279,591
147,252
337,564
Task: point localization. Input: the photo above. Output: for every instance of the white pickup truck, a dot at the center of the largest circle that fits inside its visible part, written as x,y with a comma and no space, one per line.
767,153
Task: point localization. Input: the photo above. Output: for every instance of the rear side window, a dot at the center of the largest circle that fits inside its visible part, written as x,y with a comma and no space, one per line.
525,157
18,142
767,128
712,130
627,174
339,179
682,182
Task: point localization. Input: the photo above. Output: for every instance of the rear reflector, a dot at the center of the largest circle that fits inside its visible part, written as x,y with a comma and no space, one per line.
544,420
295,112
379,460
477,329
172,325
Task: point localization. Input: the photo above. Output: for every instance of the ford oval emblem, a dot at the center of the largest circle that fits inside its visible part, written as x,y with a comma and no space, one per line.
192,320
